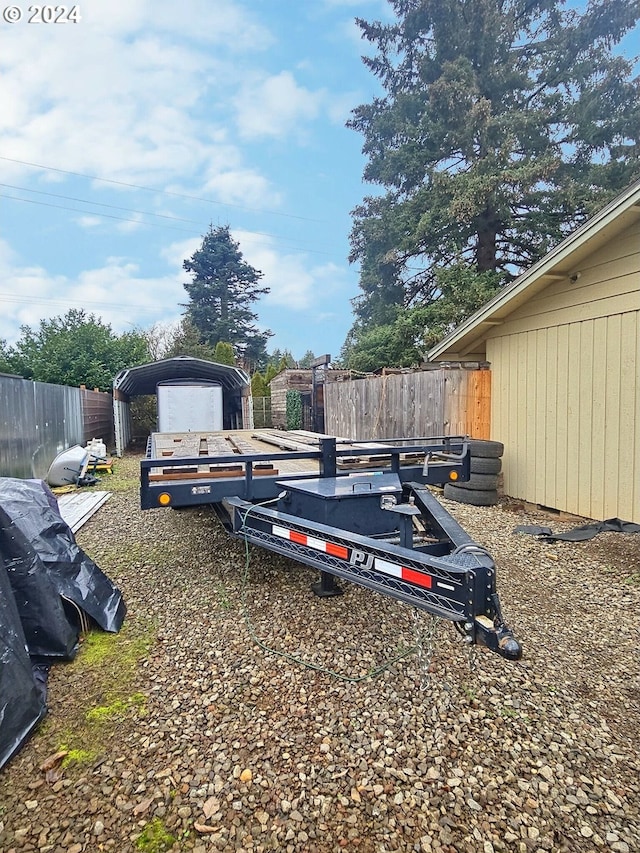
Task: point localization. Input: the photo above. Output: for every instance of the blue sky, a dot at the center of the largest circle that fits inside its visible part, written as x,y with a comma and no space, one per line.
125,135
219,111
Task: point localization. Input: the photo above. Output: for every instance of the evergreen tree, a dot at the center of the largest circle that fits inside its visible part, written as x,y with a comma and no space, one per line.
255,356
307,358
409,332
504,124
221,294
224,354
271,372
258,385
187,341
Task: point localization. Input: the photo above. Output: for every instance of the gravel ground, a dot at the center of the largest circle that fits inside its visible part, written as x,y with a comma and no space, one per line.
388,739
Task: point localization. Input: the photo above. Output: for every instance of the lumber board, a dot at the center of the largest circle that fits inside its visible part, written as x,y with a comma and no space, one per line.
282,443
211,475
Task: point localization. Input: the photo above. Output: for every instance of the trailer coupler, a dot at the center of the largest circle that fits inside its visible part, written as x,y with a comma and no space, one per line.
497,637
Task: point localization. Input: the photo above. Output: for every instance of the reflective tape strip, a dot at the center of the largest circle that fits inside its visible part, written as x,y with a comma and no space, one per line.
311,542
387,568
405,574
419,578
300,538
384,566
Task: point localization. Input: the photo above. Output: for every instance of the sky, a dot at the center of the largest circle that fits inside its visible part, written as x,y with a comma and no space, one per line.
126,134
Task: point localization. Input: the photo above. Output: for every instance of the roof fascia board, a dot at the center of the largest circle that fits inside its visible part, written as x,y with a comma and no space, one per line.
542,268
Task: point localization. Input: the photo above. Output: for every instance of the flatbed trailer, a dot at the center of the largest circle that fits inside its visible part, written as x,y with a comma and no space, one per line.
360,511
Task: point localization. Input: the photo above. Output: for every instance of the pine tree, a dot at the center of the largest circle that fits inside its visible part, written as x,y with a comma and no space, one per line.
224,354
221,293
504,124
258,386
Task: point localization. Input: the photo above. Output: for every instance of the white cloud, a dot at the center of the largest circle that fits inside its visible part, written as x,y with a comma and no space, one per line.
116,293
221,23
117,95
244,187
276,106
177,252
294,282
89,221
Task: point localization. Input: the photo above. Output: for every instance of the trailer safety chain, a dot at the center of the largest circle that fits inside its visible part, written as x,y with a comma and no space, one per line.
472,548
425,644
472,657
374,672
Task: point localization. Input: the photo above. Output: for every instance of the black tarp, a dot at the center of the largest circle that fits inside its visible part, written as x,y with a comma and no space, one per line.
46,580
49,631
29,512
579,534
22,704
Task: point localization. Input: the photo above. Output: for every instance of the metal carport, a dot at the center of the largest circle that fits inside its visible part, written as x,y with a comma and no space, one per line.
144,379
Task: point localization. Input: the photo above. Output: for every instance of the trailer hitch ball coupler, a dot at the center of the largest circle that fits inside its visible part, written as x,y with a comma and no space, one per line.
508,646
497,638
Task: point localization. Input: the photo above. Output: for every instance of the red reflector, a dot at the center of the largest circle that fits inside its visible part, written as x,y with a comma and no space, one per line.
337,550
300,538
416,577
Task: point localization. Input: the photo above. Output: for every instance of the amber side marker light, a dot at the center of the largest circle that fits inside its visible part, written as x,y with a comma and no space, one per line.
164,499
453,475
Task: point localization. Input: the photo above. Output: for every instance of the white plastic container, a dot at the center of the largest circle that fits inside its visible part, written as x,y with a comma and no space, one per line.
97,448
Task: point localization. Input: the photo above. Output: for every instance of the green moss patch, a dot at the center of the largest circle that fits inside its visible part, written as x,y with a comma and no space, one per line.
155,838
101,687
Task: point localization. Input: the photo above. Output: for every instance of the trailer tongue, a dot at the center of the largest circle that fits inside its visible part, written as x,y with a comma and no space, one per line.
379,527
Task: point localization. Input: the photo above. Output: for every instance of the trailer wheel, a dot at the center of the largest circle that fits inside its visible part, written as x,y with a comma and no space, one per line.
484,465
481,482
471,496
486,449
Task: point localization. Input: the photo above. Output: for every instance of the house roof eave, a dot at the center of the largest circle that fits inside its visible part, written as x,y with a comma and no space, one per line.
559,264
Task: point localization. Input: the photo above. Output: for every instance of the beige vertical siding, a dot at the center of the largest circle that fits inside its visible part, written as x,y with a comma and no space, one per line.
566,389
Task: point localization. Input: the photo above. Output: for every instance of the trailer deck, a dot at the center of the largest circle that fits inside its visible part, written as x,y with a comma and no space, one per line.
184,469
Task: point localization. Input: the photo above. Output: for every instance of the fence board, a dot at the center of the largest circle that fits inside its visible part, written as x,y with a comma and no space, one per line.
445,401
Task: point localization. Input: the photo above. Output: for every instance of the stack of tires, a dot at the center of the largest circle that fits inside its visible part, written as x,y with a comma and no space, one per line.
482,487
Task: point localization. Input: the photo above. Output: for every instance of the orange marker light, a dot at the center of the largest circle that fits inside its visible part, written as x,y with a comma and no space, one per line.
453,475
164,499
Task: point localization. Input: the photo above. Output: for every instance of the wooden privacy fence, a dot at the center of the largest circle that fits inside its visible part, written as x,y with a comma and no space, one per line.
443,401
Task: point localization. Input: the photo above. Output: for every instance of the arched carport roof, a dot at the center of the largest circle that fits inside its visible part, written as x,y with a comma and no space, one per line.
135,381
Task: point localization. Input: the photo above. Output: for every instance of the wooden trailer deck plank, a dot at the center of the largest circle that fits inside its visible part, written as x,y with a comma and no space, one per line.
170,447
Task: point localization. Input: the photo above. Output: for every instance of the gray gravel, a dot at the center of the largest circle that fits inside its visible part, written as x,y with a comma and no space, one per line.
238,748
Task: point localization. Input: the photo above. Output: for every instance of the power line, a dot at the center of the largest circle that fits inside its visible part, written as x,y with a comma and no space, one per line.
43,300
95,213
249,238
142,213
100,204
160,192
